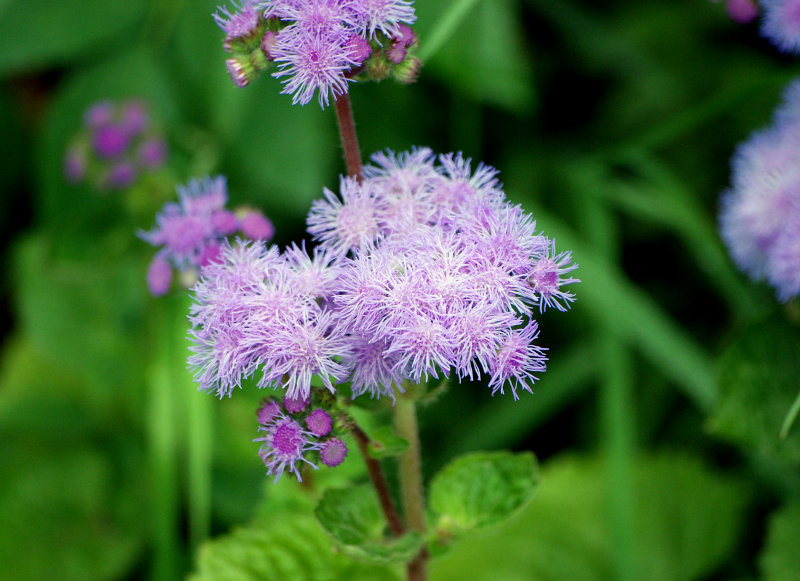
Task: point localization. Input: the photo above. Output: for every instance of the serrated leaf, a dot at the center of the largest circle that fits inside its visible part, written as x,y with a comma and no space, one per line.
758,383
780,560
354,519
48,32
287,546
385,443
480,490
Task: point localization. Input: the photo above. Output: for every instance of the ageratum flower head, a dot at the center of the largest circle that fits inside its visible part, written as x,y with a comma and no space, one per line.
760,213
423,270
190,232
117,145
319,46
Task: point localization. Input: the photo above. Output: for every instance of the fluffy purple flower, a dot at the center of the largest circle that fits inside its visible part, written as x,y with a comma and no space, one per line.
760,213
384,15
185,228
319,45
333,452
313,63
781,24
242,21
284,445
347,224
517,360
424,269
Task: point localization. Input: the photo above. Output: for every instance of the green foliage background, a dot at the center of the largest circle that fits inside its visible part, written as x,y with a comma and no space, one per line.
612,121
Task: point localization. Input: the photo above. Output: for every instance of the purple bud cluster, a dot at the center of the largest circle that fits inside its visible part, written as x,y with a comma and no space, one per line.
297,432
422,269
115,147
319,46
190,232
760,214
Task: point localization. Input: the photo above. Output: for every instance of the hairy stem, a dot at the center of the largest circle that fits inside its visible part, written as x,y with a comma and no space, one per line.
380,484
347,131
411,478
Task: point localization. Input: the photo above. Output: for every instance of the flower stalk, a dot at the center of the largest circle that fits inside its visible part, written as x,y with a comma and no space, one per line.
405,416
347,132
380,484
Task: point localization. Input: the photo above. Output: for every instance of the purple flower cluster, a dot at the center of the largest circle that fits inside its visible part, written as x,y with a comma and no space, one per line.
286,442
191,231
319,45
423,269
115,147
760,215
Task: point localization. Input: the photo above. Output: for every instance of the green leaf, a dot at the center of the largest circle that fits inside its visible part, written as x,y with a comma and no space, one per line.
61,514
49,32
354,519
688,520
385,443
290,546
780,560
483,53
758,383
481,489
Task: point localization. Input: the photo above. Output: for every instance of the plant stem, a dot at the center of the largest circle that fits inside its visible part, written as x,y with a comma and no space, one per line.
405,417
347,131
380,484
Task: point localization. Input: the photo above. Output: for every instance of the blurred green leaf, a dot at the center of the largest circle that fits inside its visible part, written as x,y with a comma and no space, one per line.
758,383
354,519
780,560
688,519
629,312
52,32
384,443
479,490
290,547
86,317
481,57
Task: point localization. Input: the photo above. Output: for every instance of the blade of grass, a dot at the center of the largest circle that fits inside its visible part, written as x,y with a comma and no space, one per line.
627,312
445,27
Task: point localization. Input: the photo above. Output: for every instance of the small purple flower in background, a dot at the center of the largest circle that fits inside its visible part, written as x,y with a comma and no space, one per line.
760,213
319,46
116,147
781,24
741,11
190,232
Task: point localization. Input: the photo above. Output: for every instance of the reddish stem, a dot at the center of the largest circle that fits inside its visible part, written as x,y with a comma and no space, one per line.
347,131
380,484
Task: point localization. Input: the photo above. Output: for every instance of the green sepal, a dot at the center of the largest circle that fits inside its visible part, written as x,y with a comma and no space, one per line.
385,443
480,490
352,516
